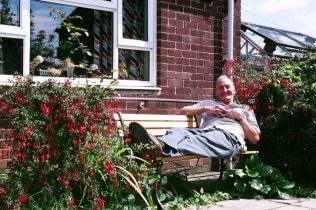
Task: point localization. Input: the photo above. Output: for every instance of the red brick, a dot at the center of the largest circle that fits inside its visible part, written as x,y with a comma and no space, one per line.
181,16
164,21
196,62
176,23
198,48
197,77
168,13
168,29
190,25
168,44
168,105
197,19
197,33
175,53
163,51
167,59
189,54
182,75
183,31
175,37
5,163
203,55
162,82
190,83
175,83
191,69
183,46
175,67
168,74
183,61
183,91
168,91
153,104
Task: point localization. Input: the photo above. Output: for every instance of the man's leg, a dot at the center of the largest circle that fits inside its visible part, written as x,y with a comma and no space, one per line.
145,145
210,143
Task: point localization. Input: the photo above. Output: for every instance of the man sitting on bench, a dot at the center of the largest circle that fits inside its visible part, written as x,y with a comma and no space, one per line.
223,127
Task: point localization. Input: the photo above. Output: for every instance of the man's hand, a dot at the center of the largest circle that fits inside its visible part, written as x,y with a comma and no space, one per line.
218,110
235,115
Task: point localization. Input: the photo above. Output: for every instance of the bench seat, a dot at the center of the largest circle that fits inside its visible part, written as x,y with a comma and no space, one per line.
158,124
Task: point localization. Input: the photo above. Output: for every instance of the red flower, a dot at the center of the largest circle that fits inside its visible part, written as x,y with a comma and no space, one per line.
127,139
28,132
108,167
71,203
3,191
100,204
22,199
46,109
82,128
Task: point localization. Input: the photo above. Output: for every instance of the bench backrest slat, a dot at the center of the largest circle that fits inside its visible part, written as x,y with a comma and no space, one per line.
157,124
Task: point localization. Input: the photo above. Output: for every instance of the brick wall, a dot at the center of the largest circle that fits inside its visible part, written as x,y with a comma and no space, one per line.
191,46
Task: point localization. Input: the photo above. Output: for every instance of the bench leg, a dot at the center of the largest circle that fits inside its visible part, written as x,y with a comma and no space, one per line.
229,165
156,200
158,165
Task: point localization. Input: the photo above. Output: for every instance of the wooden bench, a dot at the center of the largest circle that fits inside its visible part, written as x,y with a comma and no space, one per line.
158,124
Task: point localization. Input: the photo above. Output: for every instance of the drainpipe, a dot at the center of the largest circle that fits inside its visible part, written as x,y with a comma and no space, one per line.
230,32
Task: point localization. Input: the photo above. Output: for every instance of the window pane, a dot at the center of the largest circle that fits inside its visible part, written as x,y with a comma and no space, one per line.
9,12
135,19
137,64
58,50
11,55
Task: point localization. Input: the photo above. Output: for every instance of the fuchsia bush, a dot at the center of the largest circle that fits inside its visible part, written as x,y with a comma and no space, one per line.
66,152
283,98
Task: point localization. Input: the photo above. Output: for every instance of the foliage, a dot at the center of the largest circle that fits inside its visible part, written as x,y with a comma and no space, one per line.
283,98
66,152
253,179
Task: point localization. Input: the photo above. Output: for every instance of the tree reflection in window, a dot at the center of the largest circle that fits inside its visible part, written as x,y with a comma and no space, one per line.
58,48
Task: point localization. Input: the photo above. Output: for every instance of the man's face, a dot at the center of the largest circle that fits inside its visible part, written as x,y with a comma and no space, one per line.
225,90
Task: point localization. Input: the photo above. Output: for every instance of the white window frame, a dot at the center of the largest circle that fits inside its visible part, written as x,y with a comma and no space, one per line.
114,6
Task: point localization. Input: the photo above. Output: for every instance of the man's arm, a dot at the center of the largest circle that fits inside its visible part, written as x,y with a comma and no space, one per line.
251,133
218,110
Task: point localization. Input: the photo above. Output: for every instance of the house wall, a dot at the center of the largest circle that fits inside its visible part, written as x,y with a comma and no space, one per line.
191,46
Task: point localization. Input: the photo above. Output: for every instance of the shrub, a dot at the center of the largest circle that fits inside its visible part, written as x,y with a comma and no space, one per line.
66,151
283,98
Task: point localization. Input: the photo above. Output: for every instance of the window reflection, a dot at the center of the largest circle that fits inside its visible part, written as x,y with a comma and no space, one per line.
137,64
135,19
11,56
54,52
9,12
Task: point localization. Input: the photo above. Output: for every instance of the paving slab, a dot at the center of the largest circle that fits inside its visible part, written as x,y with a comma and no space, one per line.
265,204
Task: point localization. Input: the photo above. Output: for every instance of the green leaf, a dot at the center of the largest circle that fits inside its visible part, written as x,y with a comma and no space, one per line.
240,184
256,184
252,173
240,173
266,189
254,161
230,173
163,180
286,185
285,194
265,170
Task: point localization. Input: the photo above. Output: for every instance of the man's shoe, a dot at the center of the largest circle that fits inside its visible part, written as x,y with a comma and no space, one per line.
140,137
